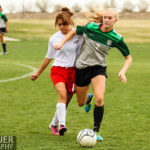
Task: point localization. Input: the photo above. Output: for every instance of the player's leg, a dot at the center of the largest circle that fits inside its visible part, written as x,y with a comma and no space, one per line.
70,83
82,94
1,40
82,80
69,97
88,104
60,114
98,84
53,124
69,77
3,44
65,89
61,106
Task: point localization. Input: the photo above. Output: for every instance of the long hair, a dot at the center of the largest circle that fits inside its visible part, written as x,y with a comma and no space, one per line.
65,15
96,15
114,10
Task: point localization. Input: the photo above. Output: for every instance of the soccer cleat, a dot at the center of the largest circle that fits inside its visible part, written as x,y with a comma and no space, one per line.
88,104
3,53
54,130
62,129
99,138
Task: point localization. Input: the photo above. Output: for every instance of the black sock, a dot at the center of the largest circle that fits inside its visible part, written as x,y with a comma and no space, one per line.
4,47
98,116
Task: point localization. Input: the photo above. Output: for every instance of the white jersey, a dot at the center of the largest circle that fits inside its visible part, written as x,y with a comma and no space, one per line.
66,56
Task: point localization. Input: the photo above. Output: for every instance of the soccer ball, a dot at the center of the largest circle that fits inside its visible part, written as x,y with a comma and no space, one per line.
86,138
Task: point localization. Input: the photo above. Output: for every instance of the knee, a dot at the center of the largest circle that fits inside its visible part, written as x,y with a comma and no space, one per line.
99,101
81,101
80,104
62,98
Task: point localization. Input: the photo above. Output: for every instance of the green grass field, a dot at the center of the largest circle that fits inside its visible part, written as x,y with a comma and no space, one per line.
27,107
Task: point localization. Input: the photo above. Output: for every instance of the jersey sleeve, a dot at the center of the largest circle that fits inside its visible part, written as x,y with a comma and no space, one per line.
123,47
88,27
5,18
79,30
51,51
80,38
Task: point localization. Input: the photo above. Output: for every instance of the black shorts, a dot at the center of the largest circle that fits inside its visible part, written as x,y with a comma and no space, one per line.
2,30
83,76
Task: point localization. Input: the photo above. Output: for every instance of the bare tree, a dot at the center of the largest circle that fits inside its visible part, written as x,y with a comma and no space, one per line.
11,7
91,6
128,6
76,7
143,5
57,8
113,3
28,7
25,7
106,4
43,5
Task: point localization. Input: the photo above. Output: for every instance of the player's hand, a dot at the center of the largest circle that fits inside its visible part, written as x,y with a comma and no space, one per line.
34,76
122,77
6,30
57,47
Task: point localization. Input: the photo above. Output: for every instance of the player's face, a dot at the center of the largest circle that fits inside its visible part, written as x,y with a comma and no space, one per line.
109,19
63,27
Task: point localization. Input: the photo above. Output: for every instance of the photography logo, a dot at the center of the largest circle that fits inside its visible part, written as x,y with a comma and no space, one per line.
109,42
7,142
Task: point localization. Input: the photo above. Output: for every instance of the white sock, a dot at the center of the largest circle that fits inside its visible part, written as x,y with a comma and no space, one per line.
54,121
61,113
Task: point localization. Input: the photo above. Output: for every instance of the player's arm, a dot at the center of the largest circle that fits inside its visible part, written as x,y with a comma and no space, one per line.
6,26
65,39
41,69
6,22
128,59
121,75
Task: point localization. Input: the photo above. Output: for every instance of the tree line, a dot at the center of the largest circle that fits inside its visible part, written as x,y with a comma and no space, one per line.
47,5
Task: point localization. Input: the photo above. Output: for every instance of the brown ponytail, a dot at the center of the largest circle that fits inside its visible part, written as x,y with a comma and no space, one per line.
67,10
65,15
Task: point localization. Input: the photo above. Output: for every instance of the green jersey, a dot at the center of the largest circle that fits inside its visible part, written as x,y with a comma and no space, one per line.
96,45
3,20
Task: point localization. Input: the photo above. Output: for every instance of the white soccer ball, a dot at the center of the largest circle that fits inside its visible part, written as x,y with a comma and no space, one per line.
86,138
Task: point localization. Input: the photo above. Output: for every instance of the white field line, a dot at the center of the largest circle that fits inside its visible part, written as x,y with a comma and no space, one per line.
11,39
23,76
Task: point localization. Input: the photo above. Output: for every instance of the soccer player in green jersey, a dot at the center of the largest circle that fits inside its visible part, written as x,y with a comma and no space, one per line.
3,29
91,65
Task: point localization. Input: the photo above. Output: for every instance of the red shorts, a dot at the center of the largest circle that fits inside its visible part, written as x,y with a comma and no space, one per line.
65,75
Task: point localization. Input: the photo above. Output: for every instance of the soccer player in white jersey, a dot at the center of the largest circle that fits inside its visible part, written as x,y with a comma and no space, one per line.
91,61
3,29
63,70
